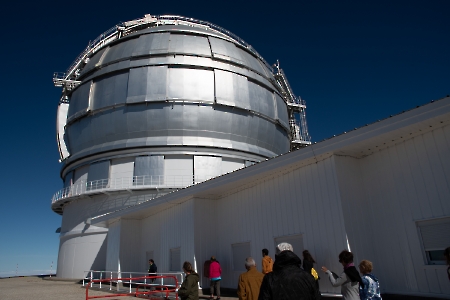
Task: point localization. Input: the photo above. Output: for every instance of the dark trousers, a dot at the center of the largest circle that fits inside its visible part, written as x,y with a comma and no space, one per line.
215,284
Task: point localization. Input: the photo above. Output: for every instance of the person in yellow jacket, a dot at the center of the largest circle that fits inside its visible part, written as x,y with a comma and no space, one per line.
267,262
250,281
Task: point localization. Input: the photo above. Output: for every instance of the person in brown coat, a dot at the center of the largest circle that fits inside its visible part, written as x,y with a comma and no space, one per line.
250,281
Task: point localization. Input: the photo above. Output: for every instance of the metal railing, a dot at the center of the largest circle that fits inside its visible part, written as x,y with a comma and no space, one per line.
126,28
128,183
124,282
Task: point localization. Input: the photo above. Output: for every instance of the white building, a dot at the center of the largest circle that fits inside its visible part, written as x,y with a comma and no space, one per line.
173,135
383,190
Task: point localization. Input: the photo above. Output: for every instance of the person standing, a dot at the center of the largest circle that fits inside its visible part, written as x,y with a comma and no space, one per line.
349,280
370,290
152,268
288,281
267,262
214,275
308,265
250,281
189,288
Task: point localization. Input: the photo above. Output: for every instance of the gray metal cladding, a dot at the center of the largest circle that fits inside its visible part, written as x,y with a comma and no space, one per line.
189,44
165,123
98,170
120,51
252,62
261,100
147,84
156,43
109,90
232,89
191,84
149,165
79,100
80,175
282,114
225,50
68,179
92,63
173,86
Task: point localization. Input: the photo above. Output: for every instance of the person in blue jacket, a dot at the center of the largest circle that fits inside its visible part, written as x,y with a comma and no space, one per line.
371,288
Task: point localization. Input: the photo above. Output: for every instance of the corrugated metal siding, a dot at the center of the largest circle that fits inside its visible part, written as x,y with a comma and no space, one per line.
384,194
131,256
172,228
113,247
304,201
205,224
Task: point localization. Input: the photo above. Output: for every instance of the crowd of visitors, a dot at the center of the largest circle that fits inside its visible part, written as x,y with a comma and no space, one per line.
288,278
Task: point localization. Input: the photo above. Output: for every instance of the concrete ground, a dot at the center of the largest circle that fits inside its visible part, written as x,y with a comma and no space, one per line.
36,288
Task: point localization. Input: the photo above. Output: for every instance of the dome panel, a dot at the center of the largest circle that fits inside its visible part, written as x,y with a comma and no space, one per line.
147,84
155,43
189,44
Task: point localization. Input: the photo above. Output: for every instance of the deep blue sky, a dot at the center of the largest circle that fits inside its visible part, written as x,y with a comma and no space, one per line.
354,62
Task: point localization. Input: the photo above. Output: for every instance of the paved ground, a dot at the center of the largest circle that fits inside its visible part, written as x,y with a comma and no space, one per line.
36,288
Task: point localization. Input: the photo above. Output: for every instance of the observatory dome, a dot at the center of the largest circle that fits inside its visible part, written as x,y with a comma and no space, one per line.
158,104
176,86
162,86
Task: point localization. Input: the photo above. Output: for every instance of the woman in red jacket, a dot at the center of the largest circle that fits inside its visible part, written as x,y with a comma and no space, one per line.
214,275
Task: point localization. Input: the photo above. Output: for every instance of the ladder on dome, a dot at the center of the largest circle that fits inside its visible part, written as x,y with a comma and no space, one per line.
299,135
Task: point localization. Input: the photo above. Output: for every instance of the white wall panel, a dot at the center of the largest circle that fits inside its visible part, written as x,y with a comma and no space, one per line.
205,226
169,229
131,256
113,247
285,205
122,170
80,253
382,197
179,169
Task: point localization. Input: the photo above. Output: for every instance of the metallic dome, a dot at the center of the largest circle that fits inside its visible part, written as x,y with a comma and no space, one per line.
158,104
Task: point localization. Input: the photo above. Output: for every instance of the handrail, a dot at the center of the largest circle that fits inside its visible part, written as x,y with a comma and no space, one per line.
160,287
126,183
125,28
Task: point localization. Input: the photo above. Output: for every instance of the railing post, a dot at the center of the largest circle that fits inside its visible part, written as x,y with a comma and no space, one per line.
91,278
110,282
130,282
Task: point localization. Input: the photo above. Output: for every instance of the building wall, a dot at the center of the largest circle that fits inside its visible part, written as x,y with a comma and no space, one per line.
302,202
83,246
206,234
370,204
130,245
113,247
169,229
383,195
81,252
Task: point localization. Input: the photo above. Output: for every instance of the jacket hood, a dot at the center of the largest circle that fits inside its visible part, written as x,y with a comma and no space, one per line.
286,258
193,274
372,276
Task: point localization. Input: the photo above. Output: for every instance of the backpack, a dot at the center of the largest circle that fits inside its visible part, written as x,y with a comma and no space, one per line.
314,274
